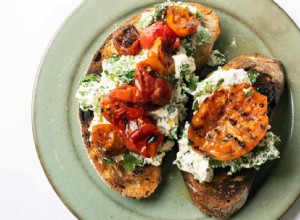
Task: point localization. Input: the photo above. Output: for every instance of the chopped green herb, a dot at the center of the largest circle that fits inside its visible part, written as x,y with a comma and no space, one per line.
249,93
88,78
190,43
130,162
215,163
108,160
253,75
216,58
115,57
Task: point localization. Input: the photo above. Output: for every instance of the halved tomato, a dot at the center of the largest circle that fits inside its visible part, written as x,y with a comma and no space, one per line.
159,29
126,93
181,21
126,40
159,59
107,140
143,137
153,89
230,123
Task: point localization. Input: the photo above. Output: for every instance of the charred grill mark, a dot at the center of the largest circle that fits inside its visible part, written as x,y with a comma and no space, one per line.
261,105
232,121
253,137
217,131
228,135
241,143
249,118
263,127
241,112
208,136
244,113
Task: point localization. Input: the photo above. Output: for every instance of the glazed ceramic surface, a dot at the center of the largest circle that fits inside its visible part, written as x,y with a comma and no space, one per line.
247,27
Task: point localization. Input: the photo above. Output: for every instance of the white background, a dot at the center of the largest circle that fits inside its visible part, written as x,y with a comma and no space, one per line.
27,28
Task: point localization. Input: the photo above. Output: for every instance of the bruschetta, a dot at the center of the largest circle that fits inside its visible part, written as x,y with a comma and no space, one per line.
229,136
131,99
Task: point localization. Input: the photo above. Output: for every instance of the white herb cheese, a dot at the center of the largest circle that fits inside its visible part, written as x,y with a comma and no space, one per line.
120,69
217,80
88,95
190,161
183,63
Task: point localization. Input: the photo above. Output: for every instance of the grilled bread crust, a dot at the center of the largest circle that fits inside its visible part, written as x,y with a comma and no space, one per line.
226,194
143,181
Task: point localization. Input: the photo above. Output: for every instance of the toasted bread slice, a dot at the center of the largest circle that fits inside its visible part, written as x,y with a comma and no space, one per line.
226,194
137,184
143,181
209,20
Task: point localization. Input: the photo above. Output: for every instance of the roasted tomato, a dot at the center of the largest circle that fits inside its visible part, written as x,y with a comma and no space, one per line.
126,40
159,59
181,21
108,140
142,137
123,115
126,93
159,29
230,123
109,106
137,131
153,89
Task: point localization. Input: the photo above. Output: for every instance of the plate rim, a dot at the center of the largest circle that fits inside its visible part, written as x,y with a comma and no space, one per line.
39,154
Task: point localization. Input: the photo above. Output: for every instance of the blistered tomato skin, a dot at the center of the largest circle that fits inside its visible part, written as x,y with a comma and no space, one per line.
181,21
159,59
138,133
236,125
108,140
126,93
154,89
159,29
126,40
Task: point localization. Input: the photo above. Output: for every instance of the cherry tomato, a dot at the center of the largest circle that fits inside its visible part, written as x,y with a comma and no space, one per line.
138,133
144,80
143,137
159,59
181,21
153,89
159,29
108,140
126,40
162,92
126,93
109,106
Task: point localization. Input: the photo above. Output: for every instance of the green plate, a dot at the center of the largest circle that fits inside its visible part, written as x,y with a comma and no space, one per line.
256,26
